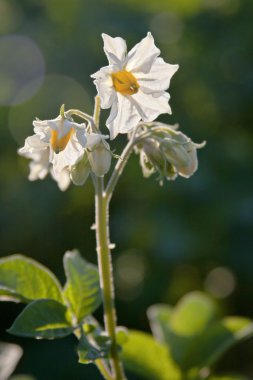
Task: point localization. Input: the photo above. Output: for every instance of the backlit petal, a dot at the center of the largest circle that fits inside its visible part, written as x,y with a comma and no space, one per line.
62,178
115,49
127,117
69,156
104,85
142,55
150,107
158,79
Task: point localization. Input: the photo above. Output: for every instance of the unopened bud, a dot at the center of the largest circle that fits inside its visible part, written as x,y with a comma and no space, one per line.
156,157
80,172
181,152
100,159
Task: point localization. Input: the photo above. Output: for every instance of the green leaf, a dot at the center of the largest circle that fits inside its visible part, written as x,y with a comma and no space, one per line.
86,352
146,357
82,290
193,332
46,319
23,280
9,358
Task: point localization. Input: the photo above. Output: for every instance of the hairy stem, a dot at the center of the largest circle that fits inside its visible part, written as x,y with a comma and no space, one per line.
118,171
103,369
106,278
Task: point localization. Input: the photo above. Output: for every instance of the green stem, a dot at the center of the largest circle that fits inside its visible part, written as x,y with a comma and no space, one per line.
106,278
81,114
103,369
119,167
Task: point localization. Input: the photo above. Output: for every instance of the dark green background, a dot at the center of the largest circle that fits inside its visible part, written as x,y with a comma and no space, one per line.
168,238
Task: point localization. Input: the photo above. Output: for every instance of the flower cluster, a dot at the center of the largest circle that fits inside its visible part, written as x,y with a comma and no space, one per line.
134,86
166,151
67,150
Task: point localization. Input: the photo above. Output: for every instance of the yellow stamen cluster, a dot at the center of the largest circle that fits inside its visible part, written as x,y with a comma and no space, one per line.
125,83
59,144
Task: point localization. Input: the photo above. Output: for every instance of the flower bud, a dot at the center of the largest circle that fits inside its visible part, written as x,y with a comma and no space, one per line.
165,150
80,172
100,158
181,152
157,161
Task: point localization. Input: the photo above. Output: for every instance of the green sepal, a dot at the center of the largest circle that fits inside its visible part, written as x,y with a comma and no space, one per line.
43,319
24,280
62,111
82,291
87,353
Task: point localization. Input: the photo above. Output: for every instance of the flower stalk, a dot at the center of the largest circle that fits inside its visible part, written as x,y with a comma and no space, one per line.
106,278
105,263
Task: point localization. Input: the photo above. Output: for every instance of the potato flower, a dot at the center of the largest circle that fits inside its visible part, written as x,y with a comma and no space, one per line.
134,84
57,146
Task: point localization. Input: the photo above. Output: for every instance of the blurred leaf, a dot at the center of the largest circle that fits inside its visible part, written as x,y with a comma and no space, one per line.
82,289
9,357
42,319
23,280
86,352
146,357
193,332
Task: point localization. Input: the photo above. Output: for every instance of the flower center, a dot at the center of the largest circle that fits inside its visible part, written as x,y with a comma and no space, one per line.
59,144
125,83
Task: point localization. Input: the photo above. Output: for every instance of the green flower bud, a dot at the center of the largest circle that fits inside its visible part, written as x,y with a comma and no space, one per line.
181,152
155,160
80,172
100,159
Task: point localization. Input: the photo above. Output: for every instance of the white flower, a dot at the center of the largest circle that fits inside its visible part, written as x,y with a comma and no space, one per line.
61,147
134,84
56,145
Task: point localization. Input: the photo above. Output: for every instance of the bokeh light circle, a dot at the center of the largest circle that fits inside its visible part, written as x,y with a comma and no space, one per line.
220,282
55,91
21,62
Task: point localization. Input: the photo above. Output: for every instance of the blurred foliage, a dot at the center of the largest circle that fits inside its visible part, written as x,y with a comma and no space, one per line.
187,341
189,234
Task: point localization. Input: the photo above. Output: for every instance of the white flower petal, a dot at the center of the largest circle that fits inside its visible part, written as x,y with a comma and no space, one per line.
126,119
115,49
113,113
62,126
158,79
41,123
32,145
104,85
44,132
69,156
81,134
39,165
150,107
142,56
62,178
